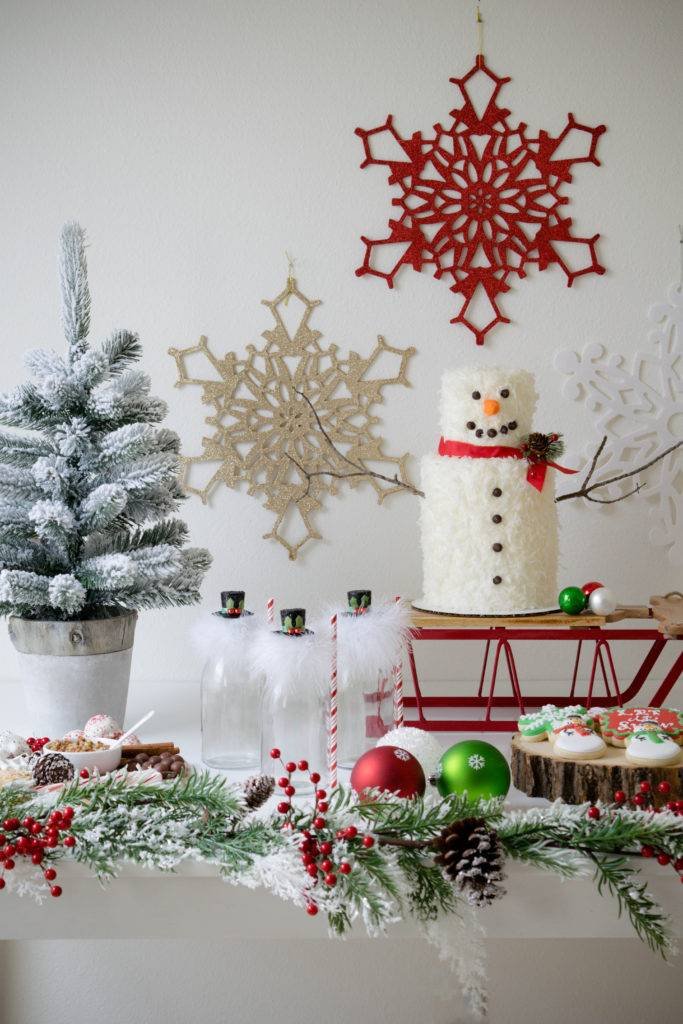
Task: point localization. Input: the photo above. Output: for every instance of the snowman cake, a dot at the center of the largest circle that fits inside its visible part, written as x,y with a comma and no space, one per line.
488,524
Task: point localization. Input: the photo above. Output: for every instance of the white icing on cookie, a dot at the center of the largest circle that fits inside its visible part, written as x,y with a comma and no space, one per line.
579,743
648,748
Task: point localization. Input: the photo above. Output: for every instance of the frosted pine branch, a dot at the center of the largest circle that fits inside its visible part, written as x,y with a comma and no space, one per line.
73,275
120,349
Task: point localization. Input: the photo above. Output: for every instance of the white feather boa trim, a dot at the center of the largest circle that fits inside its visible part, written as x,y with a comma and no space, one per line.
215,637
290,664
368,644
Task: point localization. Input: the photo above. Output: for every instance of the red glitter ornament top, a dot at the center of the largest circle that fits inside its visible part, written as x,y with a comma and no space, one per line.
481,200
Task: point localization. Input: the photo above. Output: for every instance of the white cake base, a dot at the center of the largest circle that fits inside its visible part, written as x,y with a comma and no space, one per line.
421,605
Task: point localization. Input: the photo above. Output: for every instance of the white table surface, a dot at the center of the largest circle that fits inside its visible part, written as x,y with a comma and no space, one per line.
150,903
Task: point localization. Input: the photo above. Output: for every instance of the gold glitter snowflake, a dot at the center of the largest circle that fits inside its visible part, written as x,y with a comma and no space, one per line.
294,420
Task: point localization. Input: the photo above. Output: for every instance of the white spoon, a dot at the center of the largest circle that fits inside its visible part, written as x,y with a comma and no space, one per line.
121,740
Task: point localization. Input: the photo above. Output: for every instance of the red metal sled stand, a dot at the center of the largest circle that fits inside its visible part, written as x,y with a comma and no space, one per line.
503,632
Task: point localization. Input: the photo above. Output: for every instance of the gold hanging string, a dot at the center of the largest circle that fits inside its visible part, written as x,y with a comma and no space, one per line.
480,36
291,280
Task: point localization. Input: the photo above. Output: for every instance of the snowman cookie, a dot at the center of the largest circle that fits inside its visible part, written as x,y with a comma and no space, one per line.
617,725
650,746
575,741
539,725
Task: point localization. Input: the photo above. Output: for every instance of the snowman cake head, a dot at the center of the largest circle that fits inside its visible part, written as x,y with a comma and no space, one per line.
486,405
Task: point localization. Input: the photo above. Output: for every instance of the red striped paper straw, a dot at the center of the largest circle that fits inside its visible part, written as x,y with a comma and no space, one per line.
398,688
332,728
270,610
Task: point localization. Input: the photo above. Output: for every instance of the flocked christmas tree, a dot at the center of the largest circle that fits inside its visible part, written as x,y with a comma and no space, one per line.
85,497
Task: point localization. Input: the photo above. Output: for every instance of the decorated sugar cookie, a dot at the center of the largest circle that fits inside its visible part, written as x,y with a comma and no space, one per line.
651,747
618,724
539,725
576,742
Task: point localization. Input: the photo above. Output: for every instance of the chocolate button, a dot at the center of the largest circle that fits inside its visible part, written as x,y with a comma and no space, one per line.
479,433
497,579
496,492
492,432
497,519
470,425
512,424
503,430
497,547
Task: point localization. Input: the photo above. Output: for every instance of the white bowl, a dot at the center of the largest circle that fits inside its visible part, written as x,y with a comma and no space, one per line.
94,760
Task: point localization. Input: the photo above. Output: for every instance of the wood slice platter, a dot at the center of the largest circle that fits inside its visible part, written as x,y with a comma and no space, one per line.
536,771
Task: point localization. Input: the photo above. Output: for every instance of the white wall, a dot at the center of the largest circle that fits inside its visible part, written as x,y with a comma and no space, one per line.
198,141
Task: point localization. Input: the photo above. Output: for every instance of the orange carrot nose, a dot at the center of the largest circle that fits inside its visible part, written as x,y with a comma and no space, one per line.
490,406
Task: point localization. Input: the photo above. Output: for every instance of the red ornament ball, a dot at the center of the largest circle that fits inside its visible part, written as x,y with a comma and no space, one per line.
588,588
664,787
619,796
389,769
593,813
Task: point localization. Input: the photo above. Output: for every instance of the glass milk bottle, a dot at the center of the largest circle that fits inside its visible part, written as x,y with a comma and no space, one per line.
295,701
231,695
366,699
366,713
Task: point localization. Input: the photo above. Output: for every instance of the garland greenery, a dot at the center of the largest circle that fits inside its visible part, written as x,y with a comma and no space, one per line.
386,843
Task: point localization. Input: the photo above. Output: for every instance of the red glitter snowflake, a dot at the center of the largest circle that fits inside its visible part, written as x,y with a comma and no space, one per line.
480,200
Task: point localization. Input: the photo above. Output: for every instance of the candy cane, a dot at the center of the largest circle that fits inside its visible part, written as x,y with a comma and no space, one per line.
270,610
398,688
332,728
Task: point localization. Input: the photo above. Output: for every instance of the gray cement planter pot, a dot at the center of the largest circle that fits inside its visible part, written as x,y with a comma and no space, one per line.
72,670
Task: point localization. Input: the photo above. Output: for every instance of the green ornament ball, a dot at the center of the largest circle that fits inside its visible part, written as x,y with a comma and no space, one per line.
572,600
475,767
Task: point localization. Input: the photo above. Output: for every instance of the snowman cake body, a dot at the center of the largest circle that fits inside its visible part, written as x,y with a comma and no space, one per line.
489,536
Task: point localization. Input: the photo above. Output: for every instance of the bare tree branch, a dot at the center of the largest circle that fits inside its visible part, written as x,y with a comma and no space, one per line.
357,469
586,488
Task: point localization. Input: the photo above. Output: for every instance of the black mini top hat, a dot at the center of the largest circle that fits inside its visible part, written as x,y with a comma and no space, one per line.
232,603
359,601
293,621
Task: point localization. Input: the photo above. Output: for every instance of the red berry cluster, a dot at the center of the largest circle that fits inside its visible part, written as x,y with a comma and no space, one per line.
647,799
317,846
31,838
37,745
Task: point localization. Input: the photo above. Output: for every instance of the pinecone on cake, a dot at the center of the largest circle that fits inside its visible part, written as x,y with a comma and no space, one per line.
258,789
543,447
471,856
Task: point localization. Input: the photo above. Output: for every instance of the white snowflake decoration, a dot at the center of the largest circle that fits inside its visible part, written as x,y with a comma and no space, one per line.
640,409
402,755
476,761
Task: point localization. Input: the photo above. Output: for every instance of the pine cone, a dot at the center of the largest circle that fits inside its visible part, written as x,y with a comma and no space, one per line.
258,789
538,445
471,856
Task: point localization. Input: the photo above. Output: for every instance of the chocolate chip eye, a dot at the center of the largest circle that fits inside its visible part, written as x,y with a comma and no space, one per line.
476,395
505,393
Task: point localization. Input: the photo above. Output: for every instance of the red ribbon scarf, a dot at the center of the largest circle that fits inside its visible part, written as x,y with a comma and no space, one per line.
535,474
